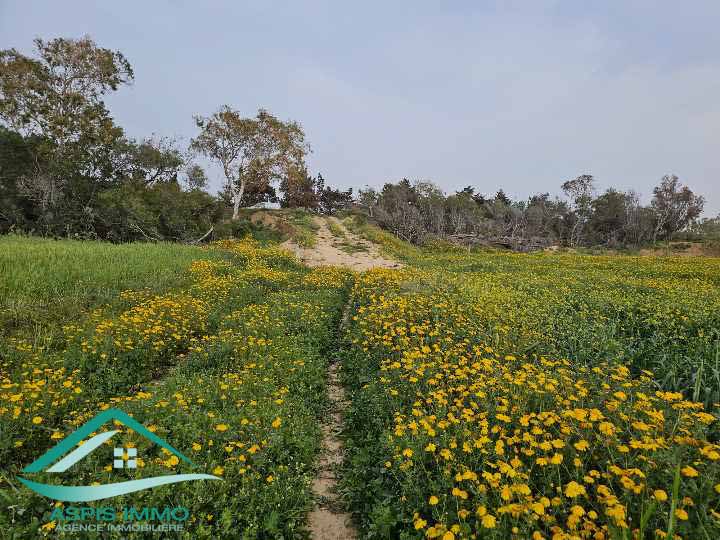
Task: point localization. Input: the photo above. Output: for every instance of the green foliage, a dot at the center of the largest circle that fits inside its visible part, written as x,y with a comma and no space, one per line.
231,371
47,283
335,229
508,395
240,228
303,227
162,211
253,152
390,244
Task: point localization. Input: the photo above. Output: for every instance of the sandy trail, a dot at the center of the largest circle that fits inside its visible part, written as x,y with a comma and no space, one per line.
326,252
329,520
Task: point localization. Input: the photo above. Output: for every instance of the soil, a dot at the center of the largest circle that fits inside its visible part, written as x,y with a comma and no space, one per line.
329,520
326,252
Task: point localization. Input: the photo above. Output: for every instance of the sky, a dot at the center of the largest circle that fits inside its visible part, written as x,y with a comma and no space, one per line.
495,94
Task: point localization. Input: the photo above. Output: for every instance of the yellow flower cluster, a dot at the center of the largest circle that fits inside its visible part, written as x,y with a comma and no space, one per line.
521,446
41,389
236,361
328,276
166,322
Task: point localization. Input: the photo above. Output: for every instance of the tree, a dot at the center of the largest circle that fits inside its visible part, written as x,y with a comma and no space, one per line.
368,199
431,203
580,191
502,198
463,214
16,161
675,206
544,218
195,177
331,200
58,98
606,224
250,150
397,210
161,211
298,189
154,160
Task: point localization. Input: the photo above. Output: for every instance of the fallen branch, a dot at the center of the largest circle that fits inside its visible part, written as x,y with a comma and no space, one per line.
204,236
152,238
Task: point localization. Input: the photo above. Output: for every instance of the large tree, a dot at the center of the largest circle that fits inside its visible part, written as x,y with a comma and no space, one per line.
299,190
581,191
675,206
58,98
253,151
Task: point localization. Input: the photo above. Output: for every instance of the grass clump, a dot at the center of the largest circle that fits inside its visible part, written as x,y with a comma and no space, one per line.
335,229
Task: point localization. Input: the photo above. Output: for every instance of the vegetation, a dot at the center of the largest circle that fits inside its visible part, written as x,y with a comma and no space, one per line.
420,212
47,283
255,151
67,169
493,394
229,365
335,229
509,396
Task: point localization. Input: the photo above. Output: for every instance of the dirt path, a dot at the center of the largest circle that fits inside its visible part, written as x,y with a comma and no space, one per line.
347,249
328,520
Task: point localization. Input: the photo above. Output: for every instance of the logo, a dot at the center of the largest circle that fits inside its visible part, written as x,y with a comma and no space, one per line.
67,453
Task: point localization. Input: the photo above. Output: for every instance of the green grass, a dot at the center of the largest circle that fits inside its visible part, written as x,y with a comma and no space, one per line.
348,246
304,227
335,229
45,283
342,241
228,365
389,243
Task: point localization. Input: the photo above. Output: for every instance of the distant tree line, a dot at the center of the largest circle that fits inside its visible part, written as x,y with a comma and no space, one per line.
67,169
419,210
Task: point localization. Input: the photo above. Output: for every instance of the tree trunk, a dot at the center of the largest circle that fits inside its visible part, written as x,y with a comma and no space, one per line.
237,197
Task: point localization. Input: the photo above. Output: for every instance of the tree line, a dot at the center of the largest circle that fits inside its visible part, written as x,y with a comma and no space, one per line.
68,169
418,211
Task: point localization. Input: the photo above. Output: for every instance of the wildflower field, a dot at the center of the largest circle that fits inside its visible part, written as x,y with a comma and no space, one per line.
535,396
228,363
490,395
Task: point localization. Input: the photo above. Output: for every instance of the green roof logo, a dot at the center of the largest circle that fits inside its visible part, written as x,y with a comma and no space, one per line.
66,453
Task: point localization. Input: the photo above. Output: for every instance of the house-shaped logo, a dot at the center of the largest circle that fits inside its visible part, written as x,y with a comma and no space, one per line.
67,453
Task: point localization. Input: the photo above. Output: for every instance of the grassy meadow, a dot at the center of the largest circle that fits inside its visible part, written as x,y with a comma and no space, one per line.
491,395
561,396
224,355
44,283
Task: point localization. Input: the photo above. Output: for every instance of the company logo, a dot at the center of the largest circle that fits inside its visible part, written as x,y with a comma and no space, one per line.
67,453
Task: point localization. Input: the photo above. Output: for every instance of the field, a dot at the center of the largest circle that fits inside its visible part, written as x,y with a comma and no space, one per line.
491,395
229,362
509,396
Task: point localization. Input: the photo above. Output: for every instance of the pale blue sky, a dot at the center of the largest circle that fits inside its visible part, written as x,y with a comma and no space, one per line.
518,95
